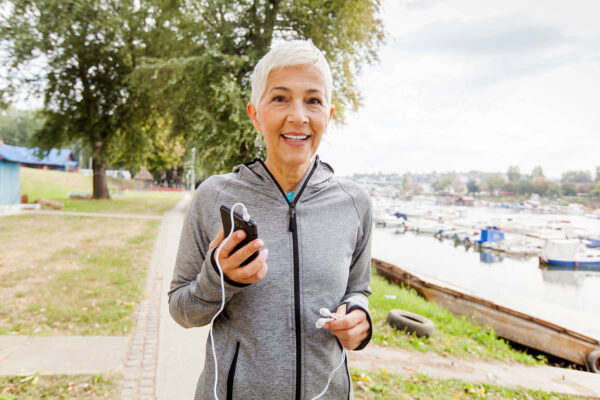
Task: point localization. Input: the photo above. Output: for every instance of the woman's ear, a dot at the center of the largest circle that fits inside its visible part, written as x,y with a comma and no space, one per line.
331,110
253,114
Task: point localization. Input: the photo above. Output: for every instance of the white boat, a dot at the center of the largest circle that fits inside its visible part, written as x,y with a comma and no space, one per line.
570,254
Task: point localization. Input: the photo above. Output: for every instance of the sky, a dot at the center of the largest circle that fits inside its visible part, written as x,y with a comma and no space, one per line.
477,85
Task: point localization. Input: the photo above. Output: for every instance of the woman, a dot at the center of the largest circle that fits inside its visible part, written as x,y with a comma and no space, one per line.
317,229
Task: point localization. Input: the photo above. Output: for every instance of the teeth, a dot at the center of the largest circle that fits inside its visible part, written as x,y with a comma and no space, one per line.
295,138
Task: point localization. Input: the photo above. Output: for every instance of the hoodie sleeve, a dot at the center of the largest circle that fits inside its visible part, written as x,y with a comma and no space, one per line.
195,292
359,278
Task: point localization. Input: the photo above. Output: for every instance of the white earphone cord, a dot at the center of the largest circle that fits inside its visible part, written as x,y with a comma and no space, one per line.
212,340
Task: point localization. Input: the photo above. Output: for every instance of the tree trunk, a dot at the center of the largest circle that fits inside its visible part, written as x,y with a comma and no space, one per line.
100,183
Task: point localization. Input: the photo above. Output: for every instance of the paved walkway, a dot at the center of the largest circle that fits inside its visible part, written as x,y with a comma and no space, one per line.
95,215
161,360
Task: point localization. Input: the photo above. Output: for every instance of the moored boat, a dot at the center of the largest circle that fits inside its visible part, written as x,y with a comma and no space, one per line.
570,254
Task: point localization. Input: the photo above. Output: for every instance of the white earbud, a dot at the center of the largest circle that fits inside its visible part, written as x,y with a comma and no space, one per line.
246,216
328,316
321,321
325,312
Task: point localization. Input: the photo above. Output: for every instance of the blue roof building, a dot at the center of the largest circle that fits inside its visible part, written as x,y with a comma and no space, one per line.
57,159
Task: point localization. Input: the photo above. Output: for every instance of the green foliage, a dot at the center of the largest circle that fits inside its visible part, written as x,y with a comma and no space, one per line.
537,172
200,76
18,126
89,48
472,187
493,182
449,181
568,188
577,177
514,173
120,74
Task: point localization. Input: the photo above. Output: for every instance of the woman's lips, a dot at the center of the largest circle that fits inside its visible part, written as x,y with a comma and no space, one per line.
295,139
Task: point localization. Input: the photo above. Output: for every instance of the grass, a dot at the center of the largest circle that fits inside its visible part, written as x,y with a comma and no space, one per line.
452,336
33,386
383,385
64,275
56,185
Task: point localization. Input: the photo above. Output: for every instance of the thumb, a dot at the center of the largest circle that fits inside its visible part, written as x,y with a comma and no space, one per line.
341,311
217,240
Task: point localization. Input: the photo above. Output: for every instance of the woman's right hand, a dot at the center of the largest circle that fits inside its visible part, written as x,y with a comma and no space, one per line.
231,262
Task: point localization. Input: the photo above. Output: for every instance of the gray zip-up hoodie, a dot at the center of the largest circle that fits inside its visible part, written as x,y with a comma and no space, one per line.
266,341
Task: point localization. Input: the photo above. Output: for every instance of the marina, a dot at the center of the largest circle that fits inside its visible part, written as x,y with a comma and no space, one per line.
566,296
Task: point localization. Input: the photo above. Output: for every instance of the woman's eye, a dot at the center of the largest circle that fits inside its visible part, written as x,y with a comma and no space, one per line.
278,99
314,100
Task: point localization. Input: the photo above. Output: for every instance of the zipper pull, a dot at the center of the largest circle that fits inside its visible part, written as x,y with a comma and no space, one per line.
292,218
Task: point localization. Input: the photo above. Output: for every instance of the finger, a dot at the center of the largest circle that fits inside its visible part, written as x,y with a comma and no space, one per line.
253,272
351,338
242,254
233,241
217,240
348,321
260,274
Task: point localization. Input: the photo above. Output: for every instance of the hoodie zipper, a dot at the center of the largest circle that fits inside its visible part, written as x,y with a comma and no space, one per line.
293,227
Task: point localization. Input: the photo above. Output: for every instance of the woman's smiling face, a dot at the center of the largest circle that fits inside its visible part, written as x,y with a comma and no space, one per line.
293,114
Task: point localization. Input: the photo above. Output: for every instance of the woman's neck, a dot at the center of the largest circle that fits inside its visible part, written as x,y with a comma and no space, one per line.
288,178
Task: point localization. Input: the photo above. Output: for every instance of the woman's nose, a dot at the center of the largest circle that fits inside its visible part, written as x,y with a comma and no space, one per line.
297,113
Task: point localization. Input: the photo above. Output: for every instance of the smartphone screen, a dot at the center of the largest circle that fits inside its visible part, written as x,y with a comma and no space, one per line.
239,224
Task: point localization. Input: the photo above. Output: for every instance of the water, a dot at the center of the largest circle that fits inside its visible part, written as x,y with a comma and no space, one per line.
567,298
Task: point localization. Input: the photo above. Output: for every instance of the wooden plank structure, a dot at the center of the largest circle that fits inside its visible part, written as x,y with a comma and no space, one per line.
507,323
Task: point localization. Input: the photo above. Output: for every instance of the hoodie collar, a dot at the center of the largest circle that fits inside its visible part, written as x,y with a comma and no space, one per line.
256,171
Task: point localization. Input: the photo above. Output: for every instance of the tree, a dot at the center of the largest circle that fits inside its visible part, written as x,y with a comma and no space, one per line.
441,185
494,182
524,187
472,187
553,190
595,192
90,47
18,126
201,78
514,173
509,188
568,188
537,172
577,177
597,177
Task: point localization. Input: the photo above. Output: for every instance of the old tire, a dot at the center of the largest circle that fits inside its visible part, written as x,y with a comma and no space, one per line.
593,361
413,323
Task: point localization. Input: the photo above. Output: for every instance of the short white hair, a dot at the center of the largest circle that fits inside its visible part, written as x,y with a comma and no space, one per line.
288,54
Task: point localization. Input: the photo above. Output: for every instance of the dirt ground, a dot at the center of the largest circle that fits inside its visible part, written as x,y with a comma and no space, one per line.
511,375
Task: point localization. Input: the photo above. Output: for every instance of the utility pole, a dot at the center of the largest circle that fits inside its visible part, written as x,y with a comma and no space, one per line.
193,168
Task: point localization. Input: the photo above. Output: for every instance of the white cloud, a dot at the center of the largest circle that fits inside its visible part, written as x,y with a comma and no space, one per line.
461,86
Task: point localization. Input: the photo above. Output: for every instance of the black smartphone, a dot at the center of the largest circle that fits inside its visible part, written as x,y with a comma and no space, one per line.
239,224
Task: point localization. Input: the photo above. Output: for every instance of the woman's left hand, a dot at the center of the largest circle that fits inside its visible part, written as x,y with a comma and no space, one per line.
351,329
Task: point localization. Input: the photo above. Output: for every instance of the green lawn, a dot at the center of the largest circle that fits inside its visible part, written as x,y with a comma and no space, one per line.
56,185
452,335
70,275
34,387
382,385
